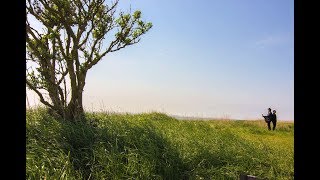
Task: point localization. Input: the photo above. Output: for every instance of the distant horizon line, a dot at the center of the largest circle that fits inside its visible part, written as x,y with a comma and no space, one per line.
179,117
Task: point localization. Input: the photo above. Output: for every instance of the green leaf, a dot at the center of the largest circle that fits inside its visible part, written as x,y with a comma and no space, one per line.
137,14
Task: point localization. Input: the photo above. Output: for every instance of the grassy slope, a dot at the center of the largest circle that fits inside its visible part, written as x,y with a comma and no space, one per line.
155,146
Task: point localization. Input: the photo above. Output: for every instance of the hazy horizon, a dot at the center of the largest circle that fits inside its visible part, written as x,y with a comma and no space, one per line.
99,105
220,59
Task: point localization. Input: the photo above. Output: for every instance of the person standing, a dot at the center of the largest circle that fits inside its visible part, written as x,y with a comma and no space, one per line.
268,118
274,119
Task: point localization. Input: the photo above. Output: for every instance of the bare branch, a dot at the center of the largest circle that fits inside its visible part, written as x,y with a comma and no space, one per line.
63,51
40,95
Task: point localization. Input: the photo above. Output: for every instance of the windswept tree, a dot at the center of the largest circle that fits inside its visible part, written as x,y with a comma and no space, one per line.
66,38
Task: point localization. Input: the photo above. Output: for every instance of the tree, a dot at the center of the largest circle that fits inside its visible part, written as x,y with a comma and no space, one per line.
73,40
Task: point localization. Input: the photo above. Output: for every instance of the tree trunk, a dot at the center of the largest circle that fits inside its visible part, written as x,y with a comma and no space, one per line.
75,110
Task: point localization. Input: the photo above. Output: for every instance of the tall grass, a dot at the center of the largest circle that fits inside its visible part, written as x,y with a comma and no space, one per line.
155,146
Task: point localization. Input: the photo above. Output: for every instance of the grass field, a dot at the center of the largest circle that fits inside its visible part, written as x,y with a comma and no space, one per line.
155,146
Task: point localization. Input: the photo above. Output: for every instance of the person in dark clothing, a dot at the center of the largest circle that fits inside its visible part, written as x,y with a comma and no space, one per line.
268,118
274,119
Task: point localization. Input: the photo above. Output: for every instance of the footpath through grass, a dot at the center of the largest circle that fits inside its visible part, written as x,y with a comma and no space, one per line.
155,146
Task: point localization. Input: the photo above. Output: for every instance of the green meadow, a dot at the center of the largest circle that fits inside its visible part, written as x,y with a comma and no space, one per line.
155,146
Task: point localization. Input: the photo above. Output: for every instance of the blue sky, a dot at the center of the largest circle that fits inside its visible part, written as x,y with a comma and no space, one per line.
220,58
